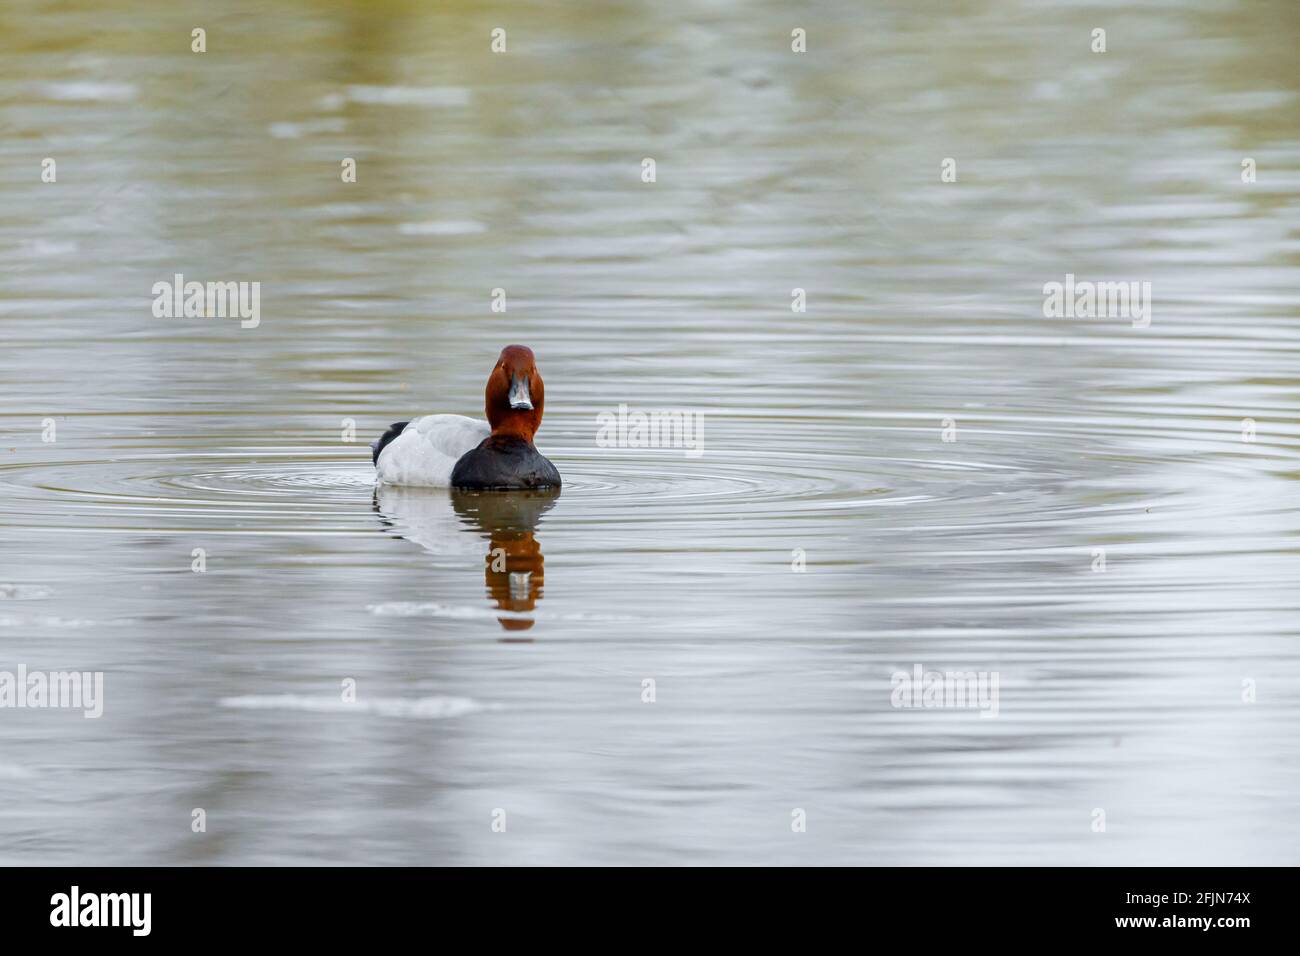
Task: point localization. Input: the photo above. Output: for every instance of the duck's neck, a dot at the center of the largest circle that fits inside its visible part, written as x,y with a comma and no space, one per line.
519,426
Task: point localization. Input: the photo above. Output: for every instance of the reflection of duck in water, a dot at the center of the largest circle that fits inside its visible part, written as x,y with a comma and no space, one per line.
513,569
513,566
425,516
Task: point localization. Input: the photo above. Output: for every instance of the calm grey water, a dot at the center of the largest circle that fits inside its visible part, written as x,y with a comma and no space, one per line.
1163,691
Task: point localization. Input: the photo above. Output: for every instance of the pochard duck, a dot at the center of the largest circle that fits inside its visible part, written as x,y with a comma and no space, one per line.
441,451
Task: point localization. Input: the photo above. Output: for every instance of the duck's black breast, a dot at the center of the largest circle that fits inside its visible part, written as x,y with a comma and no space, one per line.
503,463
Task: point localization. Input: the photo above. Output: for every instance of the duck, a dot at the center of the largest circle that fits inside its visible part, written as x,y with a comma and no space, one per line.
454,451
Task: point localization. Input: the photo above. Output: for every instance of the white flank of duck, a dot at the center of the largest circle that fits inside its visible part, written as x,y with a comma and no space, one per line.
428,448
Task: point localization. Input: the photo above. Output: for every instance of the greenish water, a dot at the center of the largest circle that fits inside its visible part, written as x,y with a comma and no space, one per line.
521,688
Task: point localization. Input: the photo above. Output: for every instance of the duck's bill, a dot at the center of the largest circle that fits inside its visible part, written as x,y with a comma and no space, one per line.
519,395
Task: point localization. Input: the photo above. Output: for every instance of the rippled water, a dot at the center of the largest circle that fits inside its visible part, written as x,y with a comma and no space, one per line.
520,688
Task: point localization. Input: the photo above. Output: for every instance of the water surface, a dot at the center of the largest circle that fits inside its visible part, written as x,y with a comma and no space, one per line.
520,688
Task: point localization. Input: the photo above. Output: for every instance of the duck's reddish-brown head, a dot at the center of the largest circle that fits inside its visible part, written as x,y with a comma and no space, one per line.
515,394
